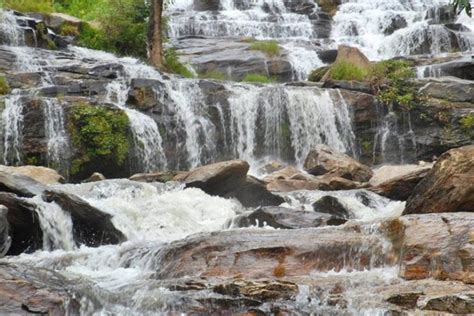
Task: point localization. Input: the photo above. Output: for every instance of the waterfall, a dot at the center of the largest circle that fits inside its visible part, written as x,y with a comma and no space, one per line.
10,32
58,140
146,135
302,59
12,123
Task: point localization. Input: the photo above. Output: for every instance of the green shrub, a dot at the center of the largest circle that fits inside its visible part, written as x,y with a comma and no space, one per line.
69,30
391,78
257,78
467,123
347,71
89,10
173,65
268,47
93,38
44,6
213,74
99,133
4,87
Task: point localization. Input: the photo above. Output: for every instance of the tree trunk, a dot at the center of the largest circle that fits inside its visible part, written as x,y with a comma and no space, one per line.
154,34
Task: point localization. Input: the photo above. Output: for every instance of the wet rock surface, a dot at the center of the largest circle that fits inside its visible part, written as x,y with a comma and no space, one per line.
448,186
91,226
20,184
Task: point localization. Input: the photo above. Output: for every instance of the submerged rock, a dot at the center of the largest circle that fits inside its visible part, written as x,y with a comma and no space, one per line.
323,160
24,229
286,218
448,187
96,176
331,205
91,226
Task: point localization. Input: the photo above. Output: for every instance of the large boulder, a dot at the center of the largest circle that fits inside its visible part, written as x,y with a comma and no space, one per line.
91,226
435,246
449,89
401,187
323,160
20,184
448,187
43,175
23,222
229,179
285,218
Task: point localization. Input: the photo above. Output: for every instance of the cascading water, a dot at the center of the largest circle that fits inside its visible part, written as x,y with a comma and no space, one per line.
12,125
58,140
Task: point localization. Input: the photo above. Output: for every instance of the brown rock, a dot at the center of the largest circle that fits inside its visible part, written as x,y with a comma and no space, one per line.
323,160
96,176
401,187
20,184
308,182
437,246
157,176
462,303
448,187
261,290
352,55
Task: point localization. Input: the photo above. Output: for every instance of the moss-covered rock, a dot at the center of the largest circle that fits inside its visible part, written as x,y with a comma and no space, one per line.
101,138
317,74
4,86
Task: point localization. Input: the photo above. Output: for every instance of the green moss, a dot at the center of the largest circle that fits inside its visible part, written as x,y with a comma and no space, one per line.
317,74
173,65
347,71
98,133
4,87
32,161
268,47
257,78
467,123
69,30
214,74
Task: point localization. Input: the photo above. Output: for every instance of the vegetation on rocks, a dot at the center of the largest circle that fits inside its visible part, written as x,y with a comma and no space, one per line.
172,64
347,71
467,123
214,74
44,6
98,133
4,87
268,47
256,78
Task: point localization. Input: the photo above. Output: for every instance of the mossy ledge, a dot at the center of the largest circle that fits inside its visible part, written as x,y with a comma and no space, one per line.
101,139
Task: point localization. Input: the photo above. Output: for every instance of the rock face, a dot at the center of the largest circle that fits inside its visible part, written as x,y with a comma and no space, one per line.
91,226
323,160
448,187
25,291
5,240
43,175
285,218
229,179
436,246
401,187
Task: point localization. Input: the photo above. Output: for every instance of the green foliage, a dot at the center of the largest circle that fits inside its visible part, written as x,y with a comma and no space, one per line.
213,74
44,6
347,71
4,87
467,123
257,78
93,38
89,10
99,133
391,78
268,47
69,30
462,5
173,65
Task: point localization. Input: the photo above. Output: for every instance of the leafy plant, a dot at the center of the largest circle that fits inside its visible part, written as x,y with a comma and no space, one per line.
257,78
460,5
268,47
99,133
467,123
172,64
69,30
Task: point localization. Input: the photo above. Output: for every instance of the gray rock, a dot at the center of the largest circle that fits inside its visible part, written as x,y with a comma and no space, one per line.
331,205
5,239
285,218
20,184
